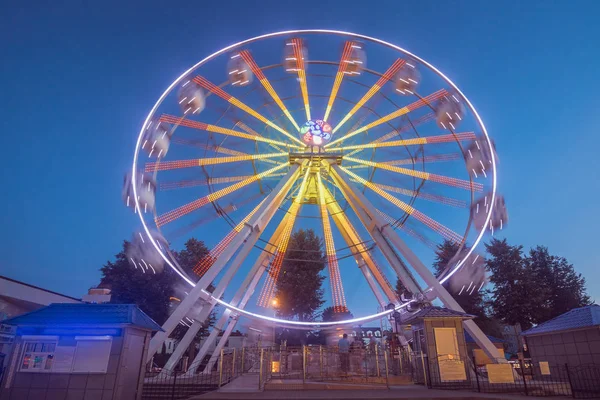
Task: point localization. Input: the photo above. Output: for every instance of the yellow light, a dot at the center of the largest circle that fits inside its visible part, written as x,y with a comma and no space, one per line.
398,113
411,142
199,162
198,203
430,222
460,183
392,70
298,53
338,77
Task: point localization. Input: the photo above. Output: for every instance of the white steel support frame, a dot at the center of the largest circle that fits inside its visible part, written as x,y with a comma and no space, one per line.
379,228
245,239
244,293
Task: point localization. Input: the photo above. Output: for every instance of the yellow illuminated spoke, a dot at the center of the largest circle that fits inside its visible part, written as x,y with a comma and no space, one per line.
224,131
447,233
337,290
210,181
226,96
463,136
269,286
301,69
426,196
247,57
199,162
339,77
398,113
389,74
404,128
196,204
358,247
445,180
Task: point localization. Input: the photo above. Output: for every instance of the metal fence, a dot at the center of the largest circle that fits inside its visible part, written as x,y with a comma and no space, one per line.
521,377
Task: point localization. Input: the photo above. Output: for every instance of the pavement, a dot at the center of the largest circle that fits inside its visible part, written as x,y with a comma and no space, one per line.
246,388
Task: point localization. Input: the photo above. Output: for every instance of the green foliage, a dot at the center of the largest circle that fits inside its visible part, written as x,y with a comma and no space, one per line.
193,252
329,315
299,291
151,292
530,289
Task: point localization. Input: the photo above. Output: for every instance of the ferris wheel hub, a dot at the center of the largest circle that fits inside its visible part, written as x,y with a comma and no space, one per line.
316,132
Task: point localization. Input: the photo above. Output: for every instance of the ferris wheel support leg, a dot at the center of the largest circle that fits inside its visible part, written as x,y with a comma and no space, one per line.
251,230
378,225
244,293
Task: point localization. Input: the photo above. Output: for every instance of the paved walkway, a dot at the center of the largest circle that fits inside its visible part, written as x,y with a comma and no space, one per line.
246,388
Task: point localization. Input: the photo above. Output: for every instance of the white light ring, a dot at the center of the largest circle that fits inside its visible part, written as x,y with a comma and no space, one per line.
301,31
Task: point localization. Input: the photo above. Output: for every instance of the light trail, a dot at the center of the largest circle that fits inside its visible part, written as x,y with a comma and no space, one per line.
298,46
338,77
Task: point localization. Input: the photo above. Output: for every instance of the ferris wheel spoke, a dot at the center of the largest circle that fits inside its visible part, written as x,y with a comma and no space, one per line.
298,46
196,204
217,129
252,132
226,96
404,128
412,232
445,180
335,280
359,249
425,196
208,260
199,162
268,288
339,77
428,221
389,74
449,138
201,182
247,57
213,215
398,113
426,159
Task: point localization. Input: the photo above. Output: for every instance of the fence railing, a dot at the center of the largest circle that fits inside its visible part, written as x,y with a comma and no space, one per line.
519,377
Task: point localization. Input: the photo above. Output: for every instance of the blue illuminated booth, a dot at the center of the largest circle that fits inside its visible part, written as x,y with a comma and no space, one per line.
78,351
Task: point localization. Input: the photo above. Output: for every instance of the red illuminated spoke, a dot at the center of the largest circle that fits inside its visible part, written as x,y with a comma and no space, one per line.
335,280
196,204
199,162
445,180
226,96
389,74
217,129
247,57
398,113
447,233
339,77
449,138
207,261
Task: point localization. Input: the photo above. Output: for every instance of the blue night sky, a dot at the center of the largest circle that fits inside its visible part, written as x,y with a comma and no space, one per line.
78,79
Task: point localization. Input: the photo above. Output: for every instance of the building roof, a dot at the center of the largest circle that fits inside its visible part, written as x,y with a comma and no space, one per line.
436,312
63,314
469,338
576,318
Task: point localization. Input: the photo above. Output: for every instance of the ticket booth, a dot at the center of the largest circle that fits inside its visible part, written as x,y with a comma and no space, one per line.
78,351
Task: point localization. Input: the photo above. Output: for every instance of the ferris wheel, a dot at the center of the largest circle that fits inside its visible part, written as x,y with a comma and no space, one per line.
382,155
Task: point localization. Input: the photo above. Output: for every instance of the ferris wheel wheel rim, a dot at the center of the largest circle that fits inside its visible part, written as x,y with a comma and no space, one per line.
310,31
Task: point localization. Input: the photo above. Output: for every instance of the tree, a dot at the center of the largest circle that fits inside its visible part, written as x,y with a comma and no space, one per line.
563,288
514,297
194,251
299,291
151,292
329,315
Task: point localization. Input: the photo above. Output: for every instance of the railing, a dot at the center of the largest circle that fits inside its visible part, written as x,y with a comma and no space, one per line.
520,377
